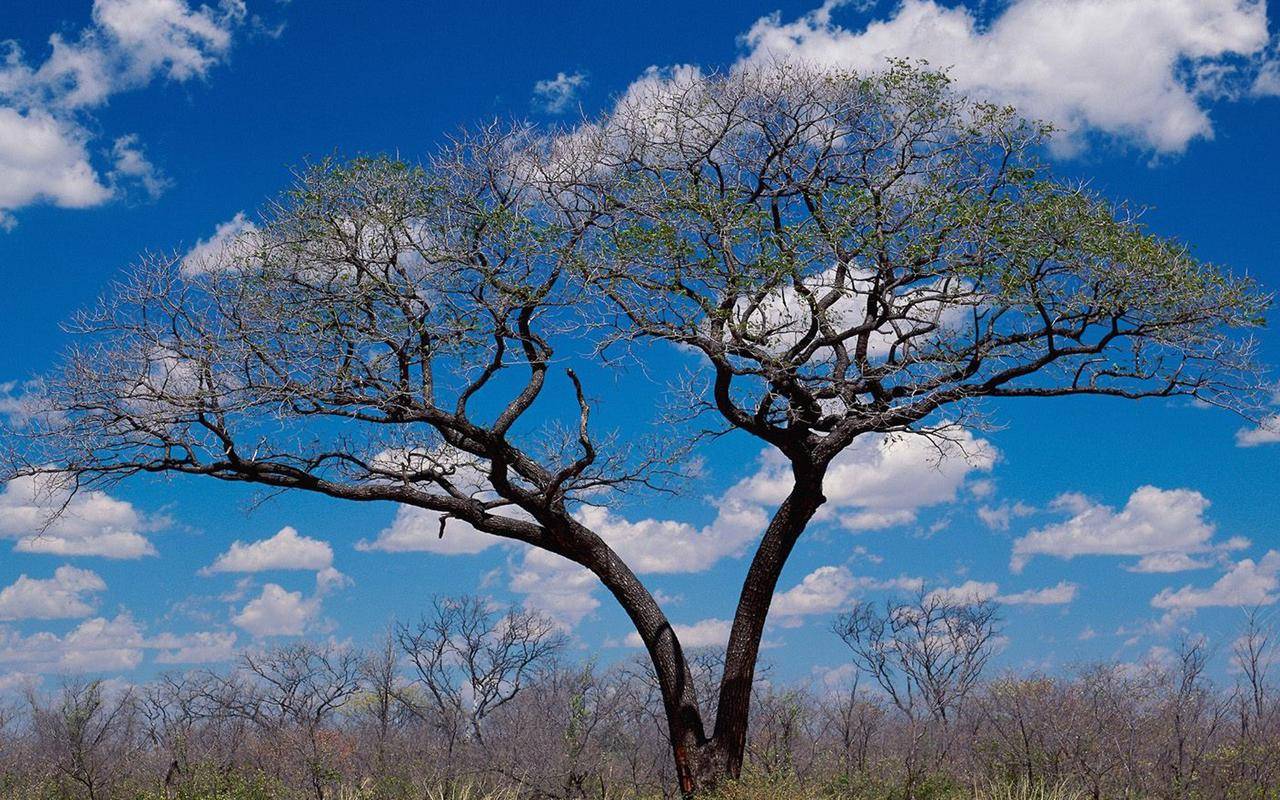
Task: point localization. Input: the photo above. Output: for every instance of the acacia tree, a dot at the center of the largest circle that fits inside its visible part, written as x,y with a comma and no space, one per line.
874,254
850,255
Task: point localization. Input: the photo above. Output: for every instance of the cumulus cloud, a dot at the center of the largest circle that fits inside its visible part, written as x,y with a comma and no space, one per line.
555,586
417,530
1265,432
1246,583
972,591
286,550
829,589
1169,562
130,166
968,592
101,645
822,591
330,579
1267,83
566,591
24,403
667,546
883,480
704,633
998,518
277,612
216,252
555,95
1143,70
1060,594
1157,524
46,121
43,517
67,595
204,647
44,159
880,481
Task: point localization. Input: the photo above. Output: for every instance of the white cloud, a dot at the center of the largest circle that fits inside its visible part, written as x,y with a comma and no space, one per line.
45,518
968,592
286,550
45,122
95,645
44,160
331,580
877,520
101,645
998,518
829,589
822,591
1157,523
1061,594
67,595
417,530
216,252
1267,83
1266,432
1247,583
18,683
972,591
24,403
704,633
668,546
277,612
130,164
205,647
554,95
882,480
556,586
161,37
1169,562
1129,68
878,482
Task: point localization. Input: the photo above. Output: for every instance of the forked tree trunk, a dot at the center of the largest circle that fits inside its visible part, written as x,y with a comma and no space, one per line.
703,763
701,766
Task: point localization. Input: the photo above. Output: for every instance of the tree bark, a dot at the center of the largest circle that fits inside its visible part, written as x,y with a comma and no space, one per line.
788,523
701,766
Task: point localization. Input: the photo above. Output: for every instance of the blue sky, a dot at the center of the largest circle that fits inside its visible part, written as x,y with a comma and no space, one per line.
151,123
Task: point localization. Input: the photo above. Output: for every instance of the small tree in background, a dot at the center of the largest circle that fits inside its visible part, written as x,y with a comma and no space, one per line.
850,254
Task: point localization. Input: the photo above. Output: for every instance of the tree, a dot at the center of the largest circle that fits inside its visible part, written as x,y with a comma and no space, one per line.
469,661
88,736
927,656
850,255
291,694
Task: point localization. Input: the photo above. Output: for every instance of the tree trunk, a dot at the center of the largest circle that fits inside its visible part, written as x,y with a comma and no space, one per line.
788,523
701,766
702,763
